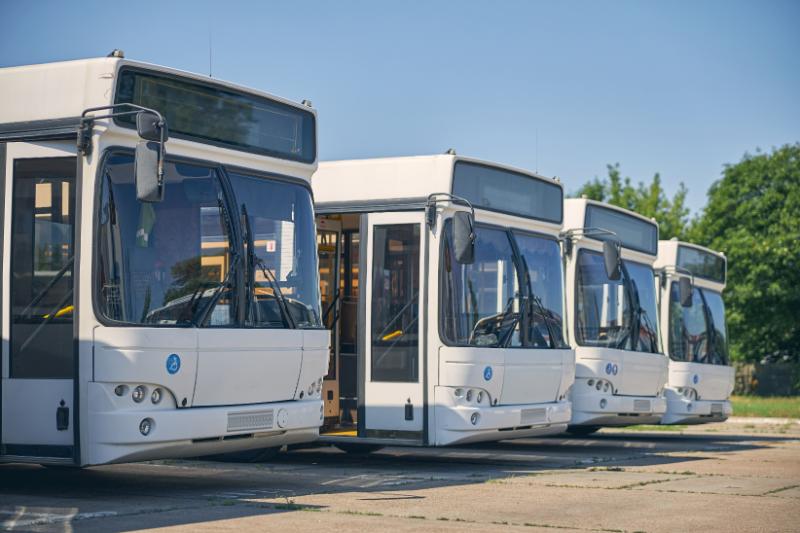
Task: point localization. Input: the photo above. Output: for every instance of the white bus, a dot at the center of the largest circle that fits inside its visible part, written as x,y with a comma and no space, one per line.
691,280
613,318
159,298
444,332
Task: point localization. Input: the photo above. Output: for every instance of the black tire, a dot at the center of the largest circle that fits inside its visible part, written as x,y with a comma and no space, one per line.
582,431
259,455
358,448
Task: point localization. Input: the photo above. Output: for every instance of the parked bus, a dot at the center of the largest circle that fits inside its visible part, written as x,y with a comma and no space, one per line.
441,281
691,280
160,298
620,369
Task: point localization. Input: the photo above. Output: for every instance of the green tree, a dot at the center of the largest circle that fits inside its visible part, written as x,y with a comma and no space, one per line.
648,199
753,216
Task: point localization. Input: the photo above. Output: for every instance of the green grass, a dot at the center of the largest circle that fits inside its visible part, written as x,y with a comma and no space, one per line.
779,406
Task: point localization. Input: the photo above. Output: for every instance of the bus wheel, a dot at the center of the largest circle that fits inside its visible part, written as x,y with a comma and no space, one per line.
357,447
581,431
260,455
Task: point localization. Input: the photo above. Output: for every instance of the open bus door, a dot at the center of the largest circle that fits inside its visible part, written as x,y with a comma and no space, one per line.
372,286
39,281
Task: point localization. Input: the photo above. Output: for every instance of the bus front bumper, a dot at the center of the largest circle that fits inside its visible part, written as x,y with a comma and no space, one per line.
601,409
457,423
115,435
685,411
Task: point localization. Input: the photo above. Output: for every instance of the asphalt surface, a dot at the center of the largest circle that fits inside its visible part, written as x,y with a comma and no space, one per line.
740,476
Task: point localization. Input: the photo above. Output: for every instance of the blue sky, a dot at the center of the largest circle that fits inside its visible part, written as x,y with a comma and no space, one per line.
677,87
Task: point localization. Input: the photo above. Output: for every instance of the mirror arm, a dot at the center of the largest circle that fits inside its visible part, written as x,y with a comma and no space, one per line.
434,198
87,122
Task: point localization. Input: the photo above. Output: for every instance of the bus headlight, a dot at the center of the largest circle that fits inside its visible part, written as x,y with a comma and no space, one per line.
121,390
139,393
146,426
469,395
156,395
459,393
480,397
474,418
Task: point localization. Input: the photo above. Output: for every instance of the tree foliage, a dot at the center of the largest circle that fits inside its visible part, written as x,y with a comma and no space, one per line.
753,216
648,199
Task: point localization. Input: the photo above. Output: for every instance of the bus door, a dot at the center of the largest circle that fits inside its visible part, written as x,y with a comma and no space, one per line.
329,246
393,400
38,352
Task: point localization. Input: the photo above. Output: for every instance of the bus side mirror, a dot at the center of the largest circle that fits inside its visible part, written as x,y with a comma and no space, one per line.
685,285
149,186
611,260
149,162
150,126
464,237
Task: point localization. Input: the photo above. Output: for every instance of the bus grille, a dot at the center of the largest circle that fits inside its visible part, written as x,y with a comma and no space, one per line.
250,420
530,417
641,406
716,408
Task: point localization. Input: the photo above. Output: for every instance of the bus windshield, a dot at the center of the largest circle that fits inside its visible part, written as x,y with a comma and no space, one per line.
697,333
177,263
615,313
487,303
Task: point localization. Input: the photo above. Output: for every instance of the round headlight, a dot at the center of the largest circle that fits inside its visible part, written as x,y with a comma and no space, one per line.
156,395
603,403
469,395
459,393
139,393
590,382
120,390
474,418
146,426
311,389
480,397
599,385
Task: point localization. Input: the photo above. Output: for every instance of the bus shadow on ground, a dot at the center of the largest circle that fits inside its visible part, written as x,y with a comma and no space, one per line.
173,493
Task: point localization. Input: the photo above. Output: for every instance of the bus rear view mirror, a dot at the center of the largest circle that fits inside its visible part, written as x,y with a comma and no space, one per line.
149,127
685,285
464,237
146,166
611,260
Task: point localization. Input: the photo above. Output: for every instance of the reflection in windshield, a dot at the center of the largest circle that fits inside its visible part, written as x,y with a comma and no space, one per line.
280,219
543,259
175,262
697,333
606,309
687,327
482,302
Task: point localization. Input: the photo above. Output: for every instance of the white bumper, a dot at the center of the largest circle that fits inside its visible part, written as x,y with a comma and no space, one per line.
684,411
114,436
595,408
457,423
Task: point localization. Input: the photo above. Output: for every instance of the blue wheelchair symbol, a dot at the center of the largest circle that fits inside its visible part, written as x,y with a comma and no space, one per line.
487,373
173,363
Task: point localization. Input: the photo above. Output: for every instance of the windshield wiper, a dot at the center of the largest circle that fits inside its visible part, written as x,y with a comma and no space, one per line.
276,289
254,261
538,302
633,302
201,319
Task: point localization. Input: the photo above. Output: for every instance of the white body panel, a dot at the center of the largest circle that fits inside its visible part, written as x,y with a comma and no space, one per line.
525,394
231,383
636,379
713,384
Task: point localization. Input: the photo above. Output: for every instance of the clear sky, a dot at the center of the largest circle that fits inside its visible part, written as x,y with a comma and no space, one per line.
677,87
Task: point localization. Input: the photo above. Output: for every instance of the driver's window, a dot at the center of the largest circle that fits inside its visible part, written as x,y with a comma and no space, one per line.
395,303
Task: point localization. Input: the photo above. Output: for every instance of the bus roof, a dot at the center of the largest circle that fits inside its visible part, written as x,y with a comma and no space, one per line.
704,263
63,89
405,180
635,231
